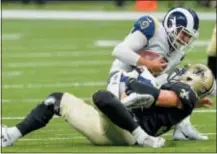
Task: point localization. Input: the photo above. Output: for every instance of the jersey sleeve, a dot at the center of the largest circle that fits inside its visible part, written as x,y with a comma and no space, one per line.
186,95
146,25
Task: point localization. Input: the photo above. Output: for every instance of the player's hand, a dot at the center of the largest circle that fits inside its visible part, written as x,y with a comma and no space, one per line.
157,65
205,102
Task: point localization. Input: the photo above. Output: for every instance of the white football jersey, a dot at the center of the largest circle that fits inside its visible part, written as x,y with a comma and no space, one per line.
155,39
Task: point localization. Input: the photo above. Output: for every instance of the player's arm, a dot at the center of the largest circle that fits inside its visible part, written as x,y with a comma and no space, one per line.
127,50
177,95
159,97
168,98
181,95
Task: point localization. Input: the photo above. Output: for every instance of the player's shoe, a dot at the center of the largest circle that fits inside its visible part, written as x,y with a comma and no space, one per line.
5,138
154,142
135,100
188,133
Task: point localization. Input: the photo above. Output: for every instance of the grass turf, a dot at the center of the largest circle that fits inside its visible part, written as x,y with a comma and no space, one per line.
40,57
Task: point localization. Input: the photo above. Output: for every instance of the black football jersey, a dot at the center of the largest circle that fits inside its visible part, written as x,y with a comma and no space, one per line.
158,120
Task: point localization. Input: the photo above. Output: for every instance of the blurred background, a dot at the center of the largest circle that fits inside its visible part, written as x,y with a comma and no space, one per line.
66,45
105,4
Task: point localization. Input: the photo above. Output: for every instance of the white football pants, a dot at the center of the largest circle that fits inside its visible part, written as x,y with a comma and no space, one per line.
92,123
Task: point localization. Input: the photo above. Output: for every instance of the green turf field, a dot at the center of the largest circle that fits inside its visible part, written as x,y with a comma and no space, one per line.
40,57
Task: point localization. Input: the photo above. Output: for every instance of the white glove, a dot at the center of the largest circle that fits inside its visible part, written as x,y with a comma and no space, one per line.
133,74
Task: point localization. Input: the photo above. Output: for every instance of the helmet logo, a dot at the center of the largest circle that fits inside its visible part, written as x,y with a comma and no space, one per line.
172,26
184,94
144,24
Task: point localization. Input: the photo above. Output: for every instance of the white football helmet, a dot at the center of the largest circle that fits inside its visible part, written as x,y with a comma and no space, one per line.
182,26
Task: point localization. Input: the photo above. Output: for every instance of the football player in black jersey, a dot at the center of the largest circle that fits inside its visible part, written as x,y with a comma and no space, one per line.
140,123
174,101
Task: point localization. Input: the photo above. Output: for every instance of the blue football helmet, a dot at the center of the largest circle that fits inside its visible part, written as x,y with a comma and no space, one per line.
182,27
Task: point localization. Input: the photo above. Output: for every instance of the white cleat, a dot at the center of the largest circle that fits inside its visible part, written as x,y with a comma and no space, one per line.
154,142
188,133
5,138
135,100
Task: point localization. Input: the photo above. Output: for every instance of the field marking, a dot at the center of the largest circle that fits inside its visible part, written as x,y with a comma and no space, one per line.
35,100
52,139
82,137
15,36
204,111
112,43
20,118
11,73
54,85
56,54
71,63
6,74
88,15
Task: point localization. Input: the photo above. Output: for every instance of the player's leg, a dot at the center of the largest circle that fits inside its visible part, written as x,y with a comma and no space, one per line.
119,115
36,119
84,118
211,60
92,123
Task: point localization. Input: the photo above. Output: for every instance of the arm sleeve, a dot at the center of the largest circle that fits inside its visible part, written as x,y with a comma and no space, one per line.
142,31
126,50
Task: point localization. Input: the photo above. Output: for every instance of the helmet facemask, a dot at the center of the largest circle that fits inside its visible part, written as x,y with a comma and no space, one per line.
198,76
180,37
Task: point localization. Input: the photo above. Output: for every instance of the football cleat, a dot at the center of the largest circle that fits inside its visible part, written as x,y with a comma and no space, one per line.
188,133
5,138
154,142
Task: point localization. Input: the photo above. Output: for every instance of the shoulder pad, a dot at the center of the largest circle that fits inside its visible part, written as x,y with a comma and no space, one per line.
147,25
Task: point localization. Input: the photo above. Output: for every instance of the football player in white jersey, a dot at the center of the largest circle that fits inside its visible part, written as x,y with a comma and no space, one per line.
170,39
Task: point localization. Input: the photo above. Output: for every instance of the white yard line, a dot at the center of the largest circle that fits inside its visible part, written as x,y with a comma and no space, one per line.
88,15
112,43
56,54
20,118
205,111
52,139
64,72
54,85
11,74
15,36
72,63
34,100
81,137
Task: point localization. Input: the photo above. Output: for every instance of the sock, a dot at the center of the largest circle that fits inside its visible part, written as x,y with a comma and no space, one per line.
36,119
41,114
14,133
140,135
